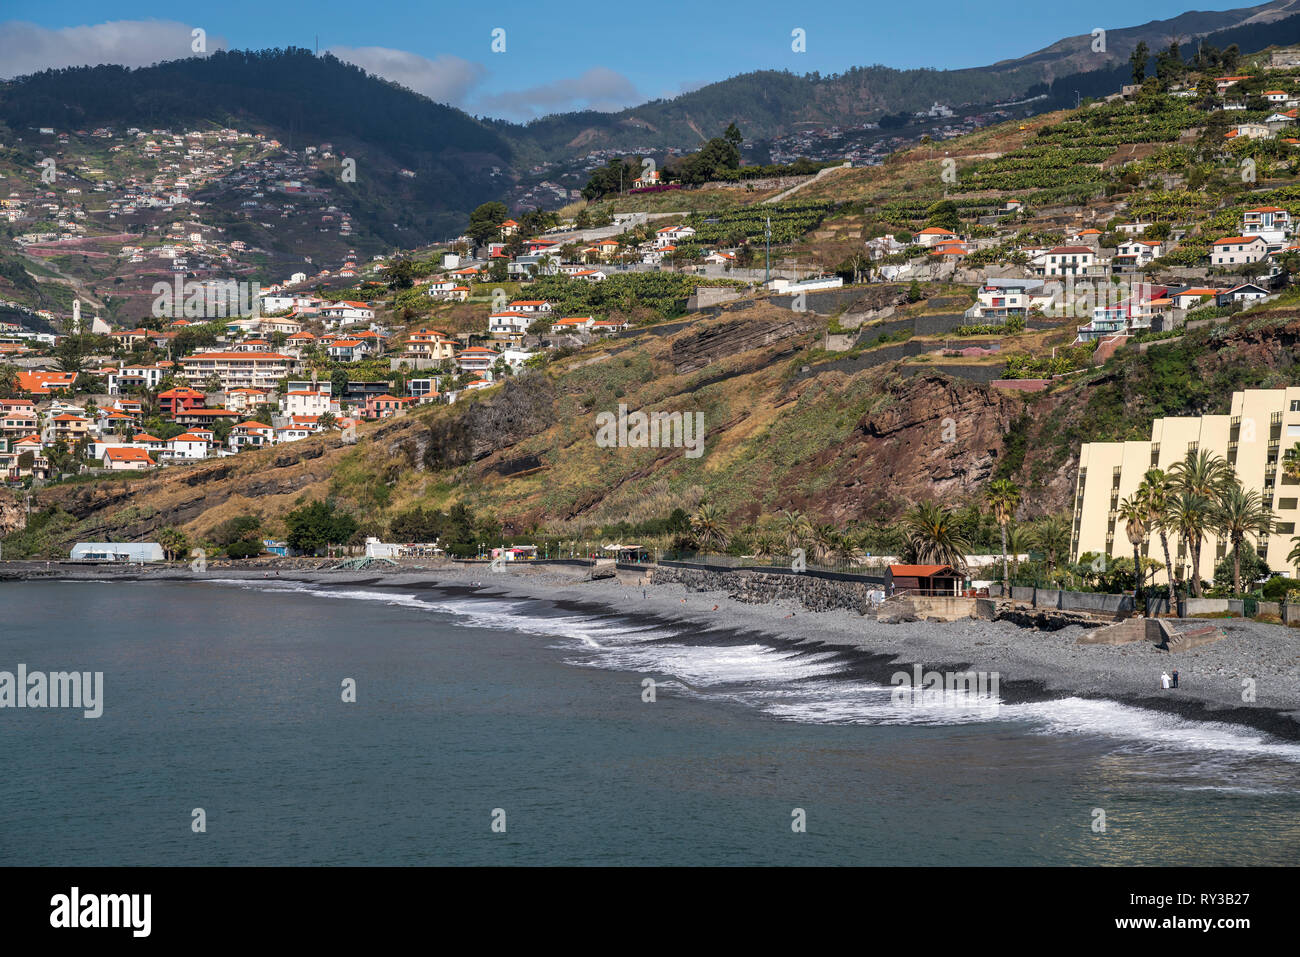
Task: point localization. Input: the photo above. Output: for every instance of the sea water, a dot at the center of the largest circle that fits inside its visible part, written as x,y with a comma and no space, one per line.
494,731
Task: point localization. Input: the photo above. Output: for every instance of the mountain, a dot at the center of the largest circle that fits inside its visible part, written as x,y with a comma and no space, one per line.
300,99
454,161
770,103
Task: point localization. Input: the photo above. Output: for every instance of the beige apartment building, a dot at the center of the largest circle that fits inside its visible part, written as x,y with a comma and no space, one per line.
1262,425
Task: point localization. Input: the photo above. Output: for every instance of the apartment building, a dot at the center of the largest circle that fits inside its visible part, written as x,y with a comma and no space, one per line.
239,370
1261,425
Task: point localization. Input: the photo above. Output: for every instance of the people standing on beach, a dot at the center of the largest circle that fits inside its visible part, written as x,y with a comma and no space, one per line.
1164,680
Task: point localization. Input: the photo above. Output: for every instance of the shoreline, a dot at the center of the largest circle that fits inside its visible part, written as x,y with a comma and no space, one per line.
1032,665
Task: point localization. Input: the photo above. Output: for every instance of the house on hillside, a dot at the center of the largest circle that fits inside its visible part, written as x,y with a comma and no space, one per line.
933,235
1068,260
1237,250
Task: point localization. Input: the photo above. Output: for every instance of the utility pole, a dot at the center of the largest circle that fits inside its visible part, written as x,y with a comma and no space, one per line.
767,237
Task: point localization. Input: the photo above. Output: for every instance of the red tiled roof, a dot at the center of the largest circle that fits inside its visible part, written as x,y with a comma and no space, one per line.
918,571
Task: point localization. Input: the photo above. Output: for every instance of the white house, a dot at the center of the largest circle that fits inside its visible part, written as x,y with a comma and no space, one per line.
1270,223
345,313
1069,260
510,322
1138,252
189,445
251,435
1237,250
933,235
672,235
307,401
998,299
127,460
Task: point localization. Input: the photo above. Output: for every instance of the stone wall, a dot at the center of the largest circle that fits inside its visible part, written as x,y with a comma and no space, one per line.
810,589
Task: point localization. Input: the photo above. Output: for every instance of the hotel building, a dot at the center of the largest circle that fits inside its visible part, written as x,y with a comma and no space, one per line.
1262,425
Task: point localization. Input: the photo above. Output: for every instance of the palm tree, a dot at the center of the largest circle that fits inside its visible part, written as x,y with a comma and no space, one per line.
1291,463
1003,495
766,544
1189,518
1134,512
1052,536
710,527
1237,514
1202,475
1294,555
794,527
1154,492
1017,542
933,536
173,541
825,542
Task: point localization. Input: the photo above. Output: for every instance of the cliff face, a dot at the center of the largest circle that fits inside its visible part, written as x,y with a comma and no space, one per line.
840,446
13,514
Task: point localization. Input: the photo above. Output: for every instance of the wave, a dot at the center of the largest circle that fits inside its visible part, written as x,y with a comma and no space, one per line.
788,684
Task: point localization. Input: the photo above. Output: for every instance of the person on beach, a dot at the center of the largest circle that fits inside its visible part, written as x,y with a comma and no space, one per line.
1164,680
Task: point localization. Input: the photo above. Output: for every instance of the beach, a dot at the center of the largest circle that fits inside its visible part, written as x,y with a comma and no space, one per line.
1216,680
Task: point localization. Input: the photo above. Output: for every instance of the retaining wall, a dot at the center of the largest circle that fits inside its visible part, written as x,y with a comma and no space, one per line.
821,591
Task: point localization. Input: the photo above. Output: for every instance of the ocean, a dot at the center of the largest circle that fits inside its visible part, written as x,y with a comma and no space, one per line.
488,731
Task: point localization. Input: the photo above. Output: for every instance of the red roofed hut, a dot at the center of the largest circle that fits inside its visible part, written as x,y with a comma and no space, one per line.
923,580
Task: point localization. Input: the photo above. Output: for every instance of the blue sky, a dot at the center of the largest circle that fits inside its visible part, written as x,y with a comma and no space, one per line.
560,56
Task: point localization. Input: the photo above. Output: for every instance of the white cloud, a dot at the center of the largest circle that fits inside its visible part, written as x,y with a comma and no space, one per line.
27,48
447,79
597,89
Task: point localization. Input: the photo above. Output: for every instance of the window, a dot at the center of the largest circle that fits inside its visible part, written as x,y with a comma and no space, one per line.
1286,528
1286,503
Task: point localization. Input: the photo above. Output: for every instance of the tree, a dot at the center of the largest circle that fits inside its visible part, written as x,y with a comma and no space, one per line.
1138,61
914,293
1293,556
1051,535
401,274
173,541
932,536
732,135
1239,513
8,382
1198,480
1291,463
794,528
1003,496
1251,567
1134,513
485,222
1154,492
317,525
944,215
710,528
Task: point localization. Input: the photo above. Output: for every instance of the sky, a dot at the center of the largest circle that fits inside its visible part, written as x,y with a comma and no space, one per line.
562,57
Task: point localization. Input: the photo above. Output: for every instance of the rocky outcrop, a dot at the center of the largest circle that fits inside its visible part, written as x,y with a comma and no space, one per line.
717,339
13,515
523,407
